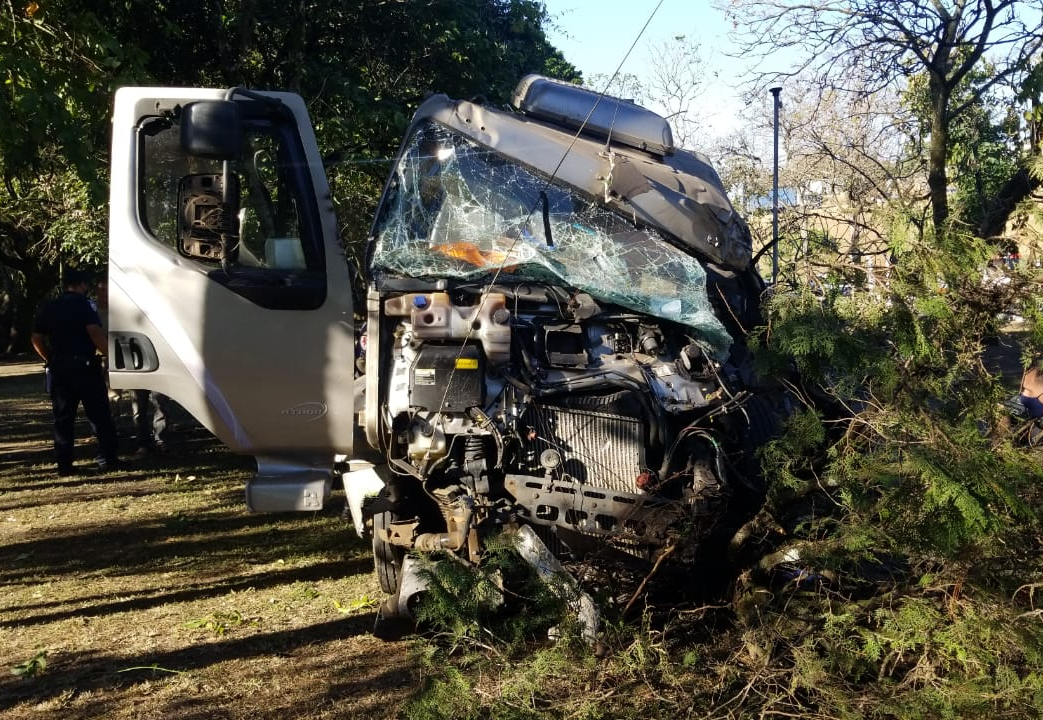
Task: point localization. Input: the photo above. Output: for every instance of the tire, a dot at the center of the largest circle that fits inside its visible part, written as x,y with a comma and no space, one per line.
387,558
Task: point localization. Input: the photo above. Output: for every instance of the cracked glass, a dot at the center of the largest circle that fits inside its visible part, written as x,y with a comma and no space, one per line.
456,209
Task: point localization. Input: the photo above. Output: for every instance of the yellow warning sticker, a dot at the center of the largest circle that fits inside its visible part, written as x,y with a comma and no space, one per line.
467,363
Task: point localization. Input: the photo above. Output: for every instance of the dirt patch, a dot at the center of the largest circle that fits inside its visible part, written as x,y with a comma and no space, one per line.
153,593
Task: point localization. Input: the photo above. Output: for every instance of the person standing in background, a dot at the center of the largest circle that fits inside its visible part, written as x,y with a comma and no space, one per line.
148,408
69,338
151,435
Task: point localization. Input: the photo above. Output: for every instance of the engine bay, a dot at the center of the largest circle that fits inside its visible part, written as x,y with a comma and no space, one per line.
523,404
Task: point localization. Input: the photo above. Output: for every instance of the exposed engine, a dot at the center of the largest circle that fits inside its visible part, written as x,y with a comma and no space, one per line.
557,301
525,404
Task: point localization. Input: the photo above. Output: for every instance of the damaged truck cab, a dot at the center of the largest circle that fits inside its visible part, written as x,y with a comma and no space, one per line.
557,304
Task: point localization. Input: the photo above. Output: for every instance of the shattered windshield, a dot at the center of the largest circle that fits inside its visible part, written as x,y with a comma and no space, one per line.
456,209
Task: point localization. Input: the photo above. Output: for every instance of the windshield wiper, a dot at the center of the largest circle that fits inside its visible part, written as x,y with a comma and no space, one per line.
546,218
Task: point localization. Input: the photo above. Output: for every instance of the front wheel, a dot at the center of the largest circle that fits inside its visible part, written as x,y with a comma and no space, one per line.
387,558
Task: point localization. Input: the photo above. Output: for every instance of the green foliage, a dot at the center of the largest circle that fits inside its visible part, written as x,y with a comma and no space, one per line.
363,68
790,459
932,487
221,622
59,65
927,653
633,673
817,336
983,144
526,687
906,393
62,223
31,667
868,638
906,518
446,696
502,601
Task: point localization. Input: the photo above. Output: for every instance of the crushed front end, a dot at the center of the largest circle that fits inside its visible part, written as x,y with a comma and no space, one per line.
555,336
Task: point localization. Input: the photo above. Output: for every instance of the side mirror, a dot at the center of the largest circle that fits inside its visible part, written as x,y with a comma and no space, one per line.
211,129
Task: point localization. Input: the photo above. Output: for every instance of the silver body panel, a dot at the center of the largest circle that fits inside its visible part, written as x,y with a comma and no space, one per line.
265,381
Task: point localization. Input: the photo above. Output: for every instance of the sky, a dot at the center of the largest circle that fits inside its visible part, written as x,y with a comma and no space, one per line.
595,35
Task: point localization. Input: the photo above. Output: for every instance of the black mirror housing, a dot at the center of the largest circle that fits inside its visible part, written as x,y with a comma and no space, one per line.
211,129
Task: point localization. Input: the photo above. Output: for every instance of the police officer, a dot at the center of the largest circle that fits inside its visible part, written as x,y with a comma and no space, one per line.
69,337
149,409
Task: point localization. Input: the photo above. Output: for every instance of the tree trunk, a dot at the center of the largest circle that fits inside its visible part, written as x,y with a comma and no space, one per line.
1019,187
937,178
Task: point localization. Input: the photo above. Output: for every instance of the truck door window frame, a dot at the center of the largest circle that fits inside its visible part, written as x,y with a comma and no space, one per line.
280,260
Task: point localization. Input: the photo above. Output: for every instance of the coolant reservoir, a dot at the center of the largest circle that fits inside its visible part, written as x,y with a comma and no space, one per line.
492,325
435,317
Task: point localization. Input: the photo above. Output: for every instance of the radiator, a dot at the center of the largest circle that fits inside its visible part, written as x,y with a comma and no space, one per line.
598,449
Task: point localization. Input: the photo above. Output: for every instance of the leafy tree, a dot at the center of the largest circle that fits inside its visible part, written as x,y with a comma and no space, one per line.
363,67
865,46
984,145
58,69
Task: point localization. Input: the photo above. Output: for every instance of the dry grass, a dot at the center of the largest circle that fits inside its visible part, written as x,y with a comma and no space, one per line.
154,593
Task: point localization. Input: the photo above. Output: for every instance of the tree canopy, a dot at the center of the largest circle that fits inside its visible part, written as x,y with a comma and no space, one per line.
866,46
362,68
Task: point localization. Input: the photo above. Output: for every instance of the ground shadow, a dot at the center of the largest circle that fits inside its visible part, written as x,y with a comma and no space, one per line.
91,673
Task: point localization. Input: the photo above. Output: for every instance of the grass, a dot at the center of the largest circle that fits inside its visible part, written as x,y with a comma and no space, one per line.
152,592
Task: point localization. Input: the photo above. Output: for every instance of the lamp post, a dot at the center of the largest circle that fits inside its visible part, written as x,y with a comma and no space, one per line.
775,191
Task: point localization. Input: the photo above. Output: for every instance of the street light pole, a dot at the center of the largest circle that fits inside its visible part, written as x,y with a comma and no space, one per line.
775,191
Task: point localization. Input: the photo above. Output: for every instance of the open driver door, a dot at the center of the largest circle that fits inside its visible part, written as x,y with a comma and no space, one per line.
228,288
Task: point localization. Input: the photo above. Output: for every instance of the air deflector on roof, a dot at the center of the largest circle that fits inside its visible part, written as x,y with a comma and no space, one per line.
574,107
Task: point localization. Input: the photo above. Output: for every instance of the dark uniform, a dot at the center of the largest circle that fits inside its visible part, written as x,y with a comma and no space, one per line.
76,375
